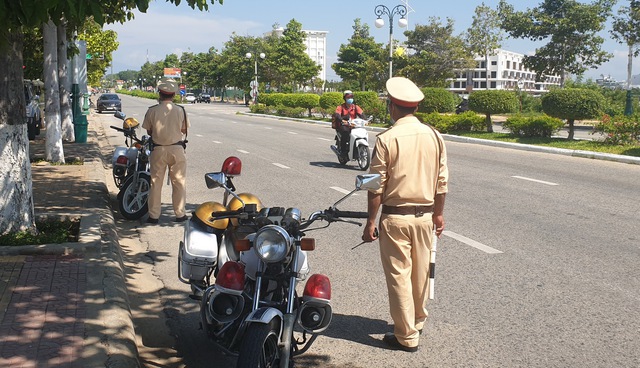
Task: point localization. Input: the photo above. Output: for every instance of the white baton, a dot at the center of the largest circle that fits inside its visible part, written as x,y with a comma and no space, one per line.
432,265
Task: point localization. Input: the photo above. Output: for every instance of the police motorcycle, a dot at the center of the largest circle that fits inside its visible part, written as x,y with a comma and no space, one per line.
253,308
358,145
130,167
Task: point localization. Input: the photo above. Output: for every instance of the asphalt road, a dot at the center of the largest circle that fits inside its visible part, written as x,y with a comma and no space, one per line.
538,266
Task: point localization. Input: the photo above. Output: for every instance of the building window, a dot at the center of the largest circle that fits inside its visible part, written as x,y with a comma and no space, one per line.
493,85
494,74
456,85
508,64
483,85
483,74
494,62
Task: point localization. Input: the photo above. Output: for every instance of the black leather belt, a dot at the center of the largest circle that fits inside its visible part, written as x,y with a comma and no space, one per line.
407,210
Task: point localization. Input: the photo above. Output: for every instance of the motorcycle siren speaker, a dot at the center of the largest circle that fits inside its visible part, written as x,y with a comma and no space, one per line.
224,307
130,123
232,166
202,216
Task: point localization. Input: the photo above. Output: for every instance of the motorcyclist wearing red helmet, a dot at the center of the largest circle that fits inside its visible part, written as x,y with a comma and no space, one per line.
344,112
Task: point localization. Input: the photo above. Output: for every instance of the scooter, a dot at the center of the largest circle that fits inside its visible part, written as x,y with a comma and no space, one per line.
131,170
358,145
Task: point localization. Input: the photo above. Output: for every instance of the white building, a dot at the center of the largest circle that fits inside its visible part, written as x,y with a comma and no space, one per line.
506,72
316,48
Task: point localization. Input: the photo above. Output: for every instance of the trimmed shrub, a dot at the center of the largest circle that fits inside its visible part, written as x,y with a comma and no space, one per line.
437,100
573,104
443,123
469,120
330,100
535,126
492,102
259,108
291,112
308,101
271,99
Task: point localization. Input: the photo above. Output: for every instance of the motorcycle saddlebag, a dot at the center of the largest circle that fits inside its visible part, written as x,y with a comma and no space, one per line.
198,253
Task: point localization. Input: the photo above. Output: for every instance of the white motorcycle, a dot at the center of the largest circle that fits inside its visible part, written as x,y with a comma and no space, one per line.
358,145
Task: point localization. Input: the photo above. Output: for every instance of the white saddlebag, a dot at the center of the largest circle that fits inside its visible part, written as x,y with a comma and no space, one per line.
198,253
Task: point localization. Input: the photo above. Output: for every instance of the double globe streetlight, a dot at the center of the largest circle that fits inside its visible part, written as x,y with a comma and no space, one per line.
254,84
400,10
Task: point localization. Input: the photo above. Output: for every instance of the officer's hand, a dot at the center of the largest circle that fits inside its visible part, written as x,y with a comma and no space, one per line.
438,224
370,233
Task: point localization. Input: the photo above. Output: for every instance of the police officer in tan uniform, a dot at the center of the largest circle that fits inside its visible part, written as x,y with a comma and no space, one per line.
412,161
167,124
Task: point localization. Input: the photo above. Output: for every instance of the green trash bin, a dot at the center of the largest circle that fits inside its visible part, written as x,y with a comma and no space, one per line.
80,129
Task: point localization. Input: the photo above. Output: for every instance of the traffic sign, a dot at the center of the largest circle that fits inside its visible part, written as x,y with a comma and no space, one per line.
253,93
253,84
182,92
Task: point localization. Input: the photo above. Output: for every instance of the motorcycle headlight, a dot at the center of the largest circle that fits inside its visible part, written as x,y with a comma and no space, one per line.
272,243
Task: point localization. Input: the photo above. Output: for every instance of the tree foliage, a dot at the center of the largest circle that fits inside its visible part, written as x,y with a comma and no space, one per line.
290,64
100,45
485,36
573,104
570,29
436,53
626,30
492,102
438,100
359,57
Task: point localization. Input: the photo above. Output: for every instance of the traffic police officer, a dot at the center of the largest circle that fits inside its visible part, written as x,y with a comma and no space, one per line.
412,162
167,124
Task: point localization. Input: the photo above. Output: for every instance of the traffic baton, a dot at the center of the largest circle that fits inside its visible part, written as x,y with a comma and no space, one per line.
432,265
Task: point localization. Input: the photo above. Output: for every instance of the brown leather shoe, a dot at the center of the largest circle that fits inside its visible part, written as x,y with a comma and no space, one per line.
391,340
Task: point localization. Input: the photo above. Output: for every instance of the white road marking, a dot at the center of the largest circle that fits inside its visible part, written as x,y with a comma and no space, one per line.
325,139
243,151
534,180
294,133
217,142
281,165
199,135
343,191
268,128
471,242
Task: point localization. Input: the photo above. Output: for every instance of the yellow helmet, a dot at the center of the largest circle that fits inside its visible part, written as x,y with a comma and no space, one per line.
203,216
247,198
130,123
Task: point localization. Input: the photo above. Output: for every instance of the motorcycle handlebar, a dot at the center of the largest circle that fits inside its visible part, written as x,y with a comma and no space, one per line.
352,214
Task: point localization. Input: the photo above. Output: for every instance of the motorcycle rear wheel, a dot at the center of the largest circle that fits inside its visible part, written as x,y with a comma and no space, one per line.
259,347
133,199
364,158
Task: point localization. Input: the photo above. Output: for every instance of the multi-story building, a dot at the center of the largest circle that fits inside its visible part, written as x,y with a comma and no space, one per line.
506,72
316,48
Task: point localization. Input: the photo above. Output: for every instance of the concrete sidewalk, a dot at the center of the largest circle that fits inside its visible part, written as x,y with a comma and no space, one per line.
66,305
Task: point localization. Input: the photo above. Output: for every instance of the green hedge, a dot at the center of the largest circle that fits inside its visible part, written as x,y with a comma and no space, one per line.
452,123
437,100
535,126
573,103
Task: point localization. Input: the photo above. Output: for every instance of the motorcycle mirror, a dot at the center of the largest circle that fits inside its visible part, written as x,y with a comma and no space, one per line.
368,181
215,180
119,115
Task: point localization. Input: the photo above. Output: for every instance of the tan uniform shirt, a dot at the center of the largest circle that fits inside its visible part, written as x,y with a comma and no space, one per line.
406,157
166,120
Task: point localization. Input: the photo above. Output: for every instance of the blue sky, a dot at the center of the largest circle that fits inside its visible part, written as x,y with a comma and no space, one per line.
167,29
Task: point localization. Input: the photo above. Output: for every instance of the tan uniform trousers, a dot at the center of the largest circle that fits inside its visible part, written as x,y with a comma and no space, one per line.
174,158
405,246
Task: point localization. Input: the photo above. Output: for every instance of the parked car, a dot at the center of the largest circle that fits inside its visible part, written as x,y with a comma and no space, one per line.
108,101
33,112
204,97
190,97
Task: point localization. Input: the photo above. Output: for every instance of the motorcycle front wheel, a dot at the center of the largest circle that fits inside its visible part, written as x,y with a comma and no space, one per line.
364,159
259,347
132,198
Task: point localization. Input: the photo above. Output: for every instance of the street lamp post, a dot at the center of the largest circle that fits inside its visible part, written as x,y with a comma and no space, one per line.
254,86
400,10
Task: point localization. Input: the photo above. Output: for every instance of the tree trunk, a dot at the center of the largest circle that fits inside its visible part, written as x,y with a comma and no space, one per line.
16,192
629,67
65,85
488,122
570,121
53,150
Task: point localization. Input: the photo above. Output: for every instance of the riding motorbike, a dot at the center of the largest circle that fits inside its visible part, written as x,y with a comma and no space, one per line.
131,169
358,145
253,308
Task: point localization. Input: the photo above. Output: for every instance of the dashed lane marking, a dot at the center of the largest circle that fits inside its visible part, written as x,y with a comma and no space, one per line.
535,180
281,165
325,139
243,151
471,242
343,191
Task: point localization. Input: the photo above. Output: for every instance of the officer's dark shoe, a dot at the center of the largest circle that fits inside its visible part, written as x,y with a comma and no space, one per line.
182,219
152,220
391,340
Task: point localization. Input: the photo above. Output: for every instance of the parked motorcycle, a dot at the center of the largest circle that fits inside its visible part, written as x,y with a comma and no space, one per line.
358,145
253,307
131,169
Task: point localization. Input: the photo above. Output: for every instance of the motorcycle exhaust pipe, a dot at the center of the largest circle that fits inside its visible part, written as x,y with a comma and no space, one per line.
224,307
